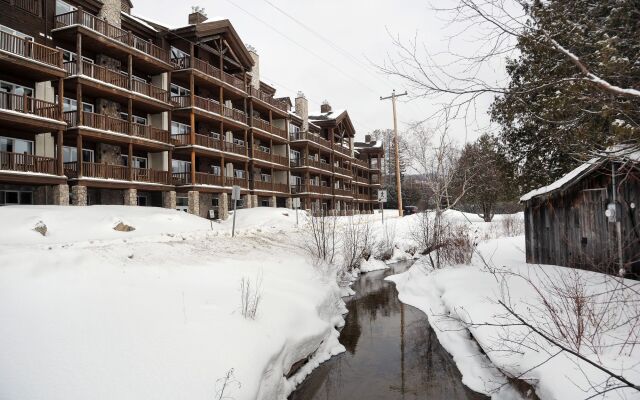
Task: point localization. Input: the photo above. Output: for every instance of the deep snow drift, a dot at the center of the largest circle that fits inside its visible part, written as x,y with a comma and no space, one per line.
90,312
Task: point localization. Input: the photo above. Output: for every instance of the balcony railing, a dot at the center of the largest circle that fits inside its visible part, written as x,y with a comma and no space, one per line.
362,179
341,149
259,94
309,136
266,126
118,125
83,18
274,158
27,163
301,162
202,178
342,171
360,163
29,105
208,69
30,49
260,185
343,192
32,6
116,172
210,105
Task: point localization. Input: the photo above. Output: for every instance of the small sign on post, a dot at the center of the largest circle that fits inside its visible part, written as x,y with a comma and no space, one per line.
296,205
382,198
235,196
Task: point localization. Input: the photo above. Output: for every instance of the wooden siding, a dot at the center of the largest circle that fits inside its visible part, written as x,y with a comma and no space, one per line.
569,227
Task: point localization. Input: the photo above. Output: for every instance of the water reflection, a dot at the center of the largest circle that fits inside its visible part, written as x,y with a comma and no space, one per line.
392,352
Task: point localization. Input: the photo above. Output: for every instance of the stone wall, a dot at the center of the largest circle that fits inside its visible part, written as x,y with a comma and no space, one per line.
79,195
130,197
194,202
169,199
206,200
110,12
109,154
61,195
223,206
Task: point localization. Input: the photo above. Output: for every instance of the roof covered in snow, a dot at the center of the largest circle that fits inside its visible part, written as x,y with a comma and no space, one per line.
631,153
370,145
328,116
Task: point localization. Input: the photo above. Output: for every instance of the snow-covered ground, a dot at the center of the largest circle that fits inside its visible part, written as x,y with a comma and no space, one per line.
462,300
90,312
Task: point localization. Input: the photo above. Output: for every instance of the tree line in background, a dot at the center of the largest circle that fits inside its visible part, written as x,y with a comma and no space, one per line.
574,73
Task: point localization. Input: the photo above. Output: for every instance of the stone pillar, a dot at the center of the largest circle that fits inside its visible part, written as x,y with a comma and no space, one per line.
274,201
79,195
61,195
247,201
130,197
289,203
223,206
193,202
169,199
254,200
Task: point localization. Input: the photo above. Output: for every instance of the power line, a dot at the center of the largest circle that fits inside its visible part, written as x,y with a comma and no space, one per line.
270,26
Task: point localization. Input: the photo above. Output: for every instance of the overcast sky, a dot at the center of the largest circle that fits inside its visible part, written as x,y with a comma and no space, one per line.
337,66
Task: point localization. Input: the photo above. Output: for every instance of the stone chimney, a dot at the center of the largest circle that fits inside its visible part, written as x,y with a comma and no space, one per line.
110,12
325,107
197,15
367,138
255,71
302,110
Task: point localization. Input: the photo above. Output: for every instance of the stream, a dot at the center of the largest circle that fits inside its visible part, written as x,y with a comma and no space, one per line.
392,352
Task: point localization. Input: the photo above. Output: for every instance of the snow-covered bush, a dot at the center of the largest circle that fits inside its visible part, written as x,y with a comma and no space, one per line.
512,225
442,240
320,238
250,295
357,242
387,242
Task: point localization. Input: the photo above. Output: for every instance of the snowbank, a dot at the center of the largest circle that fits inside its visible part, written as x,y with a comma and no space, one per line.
90,312
463,300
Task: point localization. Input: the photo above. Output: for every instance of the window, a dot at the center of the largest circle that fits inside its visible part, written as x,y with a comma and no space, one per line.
179,90
215,169
10,197
176,53
295,155
294,130
137,162
265,178
63,7
142,200
72,105
12,88
14,32
238,142
20,146
180,166
69,56
178,128
136,119
70,154
265,149
182,203
238,173
296,180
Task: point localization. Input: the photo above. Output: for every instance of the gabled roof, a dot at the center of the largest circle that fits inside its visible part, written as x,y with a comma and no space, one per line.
333,118
212,29
616,153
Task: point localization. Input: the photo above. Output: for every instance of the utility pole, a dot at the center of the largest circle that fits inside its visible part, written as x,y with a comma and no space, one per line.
393,98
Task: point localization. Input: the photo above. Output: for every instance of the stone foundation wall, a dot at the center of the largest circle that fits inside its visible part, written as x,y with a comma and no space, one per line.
61,195
130,197
79,195
273,202
108,154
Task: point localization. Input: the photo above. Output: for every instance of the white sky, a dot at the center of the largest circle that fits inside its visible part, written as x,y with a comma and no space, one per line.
308,63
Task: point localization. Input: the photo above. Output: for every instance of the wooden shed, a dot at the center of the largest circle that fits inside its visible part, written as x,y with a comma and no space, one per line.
567,223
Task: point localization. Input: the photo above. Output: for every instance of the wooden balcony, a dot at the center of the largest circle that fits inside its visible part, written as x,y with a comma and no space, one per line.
342,150
41,62
260,185
211,106
118,36
116,78
20,162
209,70
301,163
266,98
116,172
343,192
360,163
311,137
361,179
269,157
28,114
110,124
30,6
267,127
343,171
202,178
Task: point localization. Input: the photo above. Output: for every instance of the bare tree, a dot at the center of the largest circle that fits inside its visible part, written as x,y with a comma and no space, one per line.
320,237
357,242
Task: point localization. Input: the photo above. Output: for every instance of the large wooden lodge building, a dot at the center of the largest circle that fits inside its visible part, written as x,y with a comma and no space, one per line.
98,106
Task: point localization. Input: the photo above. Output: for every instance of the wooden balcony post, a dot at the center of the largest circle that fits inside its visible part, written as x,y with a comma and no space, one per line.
223,172
130,161
192,123
193,167
79,112
60,152
79,51
270,121
246,144
253,144
130,71
79,155
61,99
221,97
273,181
221,56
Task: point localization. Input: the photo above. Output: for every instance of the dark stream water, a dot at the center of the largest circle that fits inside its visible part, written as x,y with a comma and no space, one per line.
392,352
